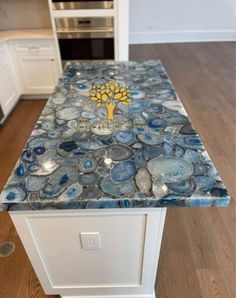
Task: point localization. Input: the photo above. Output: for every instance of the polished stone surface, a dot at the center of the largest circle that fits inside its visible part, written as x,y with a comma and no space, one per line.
113,136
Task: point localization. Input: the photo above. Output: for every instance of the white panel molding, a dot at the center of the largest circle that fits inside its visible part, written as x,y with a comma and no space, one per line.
143,227
181,36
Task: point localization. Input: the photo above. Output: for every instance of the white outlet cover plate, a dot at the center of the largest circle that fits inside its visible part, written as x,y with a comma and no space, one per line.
90,240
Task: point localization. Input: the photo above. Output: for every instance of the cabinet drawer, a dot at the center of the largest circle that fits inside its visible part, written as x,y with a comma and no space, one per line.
33,47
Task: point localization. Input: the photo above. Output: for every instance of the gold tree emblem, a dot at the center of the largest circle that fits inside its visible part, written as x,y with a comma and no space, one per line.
110,95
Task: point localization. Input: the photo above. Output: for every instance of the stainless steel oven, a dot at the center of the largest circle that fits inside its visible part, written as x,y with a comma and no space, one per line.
82,4
83,38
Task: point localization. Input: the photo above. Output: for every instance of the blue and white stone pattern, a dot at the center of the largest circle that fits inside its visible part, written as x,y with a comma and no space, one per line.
148,156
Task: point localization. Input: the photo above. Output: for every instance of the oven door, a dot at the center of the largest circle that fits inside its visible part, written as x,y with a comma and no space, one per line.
86,38
77,46
82,4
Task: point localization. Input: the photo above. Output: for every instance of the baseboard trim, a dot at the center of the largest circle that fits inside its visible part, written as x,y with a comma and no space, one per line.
182,36
114,296
34,96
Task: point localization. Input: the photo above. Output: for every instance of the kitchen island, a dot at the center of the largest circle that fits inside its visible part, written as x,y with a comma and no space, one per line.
112,137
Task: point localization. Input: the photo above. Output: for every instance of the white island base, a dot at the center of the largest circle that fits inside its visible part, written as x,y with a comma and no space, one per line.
102,253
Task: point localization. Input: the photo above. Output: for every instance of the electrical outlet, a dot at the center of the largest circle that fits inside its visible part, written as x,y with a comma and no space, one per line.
90,240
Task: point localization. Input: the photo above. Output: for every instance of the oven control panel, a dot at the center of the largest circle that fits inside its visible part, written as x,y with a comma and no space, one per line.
82,4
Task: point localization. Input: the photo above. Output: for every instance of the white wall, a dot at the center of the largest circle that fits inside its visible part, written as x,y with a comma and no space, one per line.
24,14
182,20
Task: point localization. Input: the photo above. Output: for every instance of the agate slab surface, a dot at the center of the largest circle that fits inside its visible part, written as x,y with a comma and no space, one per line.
113,136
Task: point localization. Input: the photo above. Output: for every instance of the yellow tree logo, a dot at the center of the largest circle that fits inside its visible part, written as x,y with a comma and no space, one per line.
110,95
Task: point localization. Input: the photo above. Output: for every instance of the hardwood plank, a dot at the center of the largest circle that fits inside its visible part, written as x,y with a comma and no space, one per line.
17,277
204,76
176,277
211,284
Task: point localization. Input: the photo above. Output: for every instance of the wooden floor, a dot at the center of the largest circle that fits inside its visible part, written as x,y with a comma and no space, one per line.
199,246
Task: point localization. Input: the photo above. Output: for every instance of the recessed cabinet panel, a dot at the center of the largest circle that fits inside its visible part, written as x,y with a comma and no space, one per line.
118,263
39,74
9,93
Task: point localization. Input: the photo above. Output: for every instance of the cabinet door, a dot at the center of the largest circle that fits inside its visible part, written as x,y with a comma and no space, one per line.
9,93
39,74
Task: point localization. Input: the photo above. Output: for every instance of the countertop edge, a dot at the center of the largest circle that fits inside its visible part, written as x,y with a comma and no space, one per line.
119,203
11,35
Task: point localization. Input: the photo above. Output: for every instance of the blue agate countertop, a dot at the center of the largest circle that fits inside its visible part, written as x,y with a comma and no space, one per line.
113,136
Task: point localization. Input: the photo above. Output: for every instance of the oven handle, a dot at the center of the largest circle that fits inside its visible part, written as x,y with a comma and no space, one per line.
82,22
84,35
79,34
84,30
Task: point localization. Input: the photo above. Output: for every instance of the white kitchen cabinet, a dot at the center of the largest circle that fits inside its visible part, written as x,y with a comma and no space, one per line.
9,89
123,266
39,74
37,66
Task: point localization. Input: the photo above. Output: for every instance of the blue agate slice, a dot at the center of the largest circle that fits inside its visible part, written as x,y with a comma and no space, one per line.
186,187
21,170
150,138
68,146
87,165
124,137
88,178
156,123
170,169
119,152
28,156
204,183
123,171
13,193
115,189
68,113
191,142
